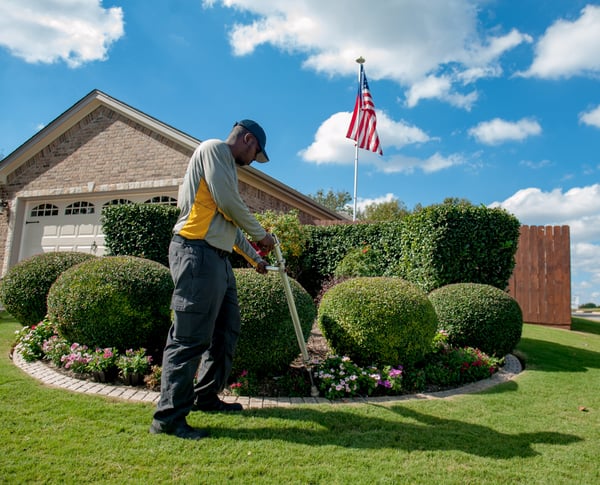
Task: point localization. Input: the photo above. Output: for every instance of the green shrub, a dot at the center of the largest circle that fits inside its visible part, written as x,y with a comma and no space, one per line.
114,301
362,261
378,321
458,243
142,230
291,233
24,288
328,245
480,316
268,343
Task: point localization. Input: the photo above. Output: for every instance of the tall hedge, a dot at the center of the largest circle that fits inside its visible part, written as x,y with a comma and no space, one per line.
142,230
328,245
455,243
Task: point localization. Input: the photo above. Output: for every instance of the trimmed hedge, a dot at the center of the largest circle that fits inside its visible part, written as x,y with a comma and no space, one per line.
458,243
142,230
386,321
24,288
268,343
479,316
113,301
328,245
364,261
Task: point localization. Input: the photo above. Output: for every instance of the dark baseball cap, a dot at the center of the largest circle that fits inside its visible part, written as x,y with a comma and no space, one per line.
254,128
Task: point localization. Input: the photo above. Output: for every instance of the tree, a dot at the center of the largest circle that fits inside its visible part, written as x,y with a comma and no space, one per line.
335,201
384,211
456,201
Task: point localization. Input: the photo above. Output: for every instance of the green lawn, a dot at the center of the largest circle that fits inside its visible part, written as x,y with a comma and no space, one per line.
543,427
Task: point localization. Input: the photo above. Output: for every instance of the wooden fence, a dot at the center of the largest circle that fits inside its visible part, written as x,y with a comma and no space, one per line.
541,280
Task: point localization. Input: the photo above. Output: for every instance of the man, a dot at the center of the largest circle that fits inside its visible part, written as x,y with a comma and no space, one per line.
206,321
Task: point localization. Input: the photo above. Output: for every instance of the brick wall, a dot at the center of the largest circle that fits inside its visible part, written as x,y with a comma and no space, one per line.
95,150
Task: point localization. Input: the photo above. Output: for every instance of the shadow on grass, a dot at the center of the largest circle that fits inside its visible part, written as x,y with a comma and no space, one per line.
554,357
585,325
406,429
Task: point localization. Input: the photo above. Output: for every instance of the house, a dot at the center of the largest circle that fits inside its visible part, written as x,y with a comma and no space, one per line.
101,152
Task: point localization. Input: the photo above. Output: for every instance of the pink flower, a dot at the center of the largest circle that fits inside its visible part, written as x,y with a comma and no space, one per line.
395,372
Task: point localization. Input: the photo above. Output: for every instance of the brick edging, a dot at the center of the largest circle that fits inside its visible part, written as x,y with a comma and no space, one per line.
50,377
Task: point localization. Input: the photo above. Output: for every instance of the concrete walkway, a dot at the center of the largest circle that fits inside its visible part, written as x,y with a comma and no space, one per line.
50,377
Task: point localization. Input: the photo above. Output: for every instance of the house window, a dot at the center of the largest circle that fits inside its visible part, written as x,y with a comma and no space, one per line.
162,200
44,210
80,207
117,202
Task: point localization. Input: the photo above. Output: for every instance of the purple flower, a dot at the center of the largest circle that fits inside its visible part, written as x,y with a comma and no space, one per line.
395,372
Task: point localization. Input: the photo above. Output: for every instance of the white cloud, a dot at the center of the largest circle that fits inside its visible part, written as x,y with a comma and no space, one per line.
407,165
591,117
362,203
409,42
433,87
569,48
331,145
498,131
536,165
579,206
75,31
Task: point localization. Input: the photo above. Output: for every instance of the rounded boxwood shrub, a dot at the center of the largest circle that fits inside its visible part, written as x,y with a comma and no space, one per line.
268,343
24,288
378,321
113,301
480,316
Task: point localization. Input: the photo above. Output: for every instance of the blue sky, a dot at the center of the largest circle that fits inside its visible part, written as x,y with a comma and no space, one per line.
494,101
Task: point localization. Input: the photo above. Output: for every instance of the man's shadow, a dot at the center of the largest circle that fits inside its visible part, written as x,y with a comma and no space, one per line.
405,428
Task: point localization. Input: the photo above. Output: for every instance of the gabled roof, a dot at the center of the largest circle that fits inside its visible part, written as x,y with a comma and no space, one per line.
74,115
97,98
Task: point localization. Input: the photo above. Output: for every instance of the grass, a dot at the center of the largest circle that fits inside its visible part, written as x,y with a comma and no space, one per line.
542,427
585,325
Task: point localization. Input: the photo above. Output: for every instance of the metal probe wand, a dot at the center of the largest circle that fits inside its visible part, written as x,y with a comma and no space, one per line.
314,392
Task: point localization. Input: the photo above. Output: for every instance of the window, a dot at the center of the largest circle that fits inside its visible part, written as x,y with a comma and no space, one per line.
80,207
44,210
117,202
162,200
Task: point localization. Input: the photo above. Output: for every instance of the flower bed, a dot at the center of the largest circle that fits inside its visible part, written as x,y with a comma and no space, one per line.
335,376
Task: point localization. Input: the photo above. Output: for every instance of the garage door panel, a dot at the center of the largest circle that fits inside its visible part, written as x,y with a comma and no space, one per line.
68,230
50,230
87,230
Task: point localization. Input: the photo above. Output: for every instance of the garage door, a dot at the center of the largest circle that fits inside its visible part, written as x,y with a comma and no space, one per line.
70,225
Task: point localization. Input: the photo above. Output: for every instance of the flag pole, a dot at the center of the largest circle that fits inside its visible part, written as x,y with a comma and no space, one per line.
360,61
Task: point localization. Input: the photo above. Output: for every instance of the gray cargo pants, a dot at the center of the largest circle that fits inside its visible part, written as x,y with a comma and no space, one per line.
204,332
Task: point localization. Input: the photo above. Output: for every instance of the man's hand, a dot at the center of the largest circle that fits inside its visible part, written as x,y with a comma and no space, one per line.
266,244
261,267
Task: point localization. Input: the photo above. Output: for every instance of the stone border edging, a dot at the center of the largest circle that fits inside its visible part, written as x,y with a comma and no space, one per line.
45,374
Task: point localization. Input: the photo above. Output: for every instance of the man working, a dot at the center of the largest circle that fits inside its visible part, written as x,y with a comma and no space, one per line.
206,324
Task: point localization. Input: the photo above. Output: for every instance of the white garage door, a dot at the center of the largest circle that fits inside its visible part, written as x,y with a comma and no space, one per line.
70,225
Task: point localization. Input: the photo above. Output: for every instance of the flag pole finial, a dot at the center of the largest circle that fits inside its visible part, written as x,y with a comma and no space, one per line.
360,60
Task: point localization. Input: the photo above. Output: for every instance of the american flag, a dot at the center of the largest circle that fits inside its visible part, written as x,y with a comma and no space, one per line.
363,126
